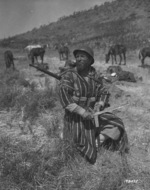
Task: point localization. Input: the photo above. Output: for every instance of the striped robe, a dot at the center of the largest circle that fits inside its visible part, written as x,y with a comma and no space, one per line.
74,91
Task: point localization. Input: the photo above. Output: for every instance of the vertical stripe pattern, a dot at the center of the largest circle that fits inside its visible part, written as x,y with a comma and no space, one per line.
83,131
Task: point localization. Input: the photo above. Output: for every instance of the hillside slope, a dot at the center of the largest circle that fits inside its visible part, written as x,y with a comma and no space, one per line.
123,21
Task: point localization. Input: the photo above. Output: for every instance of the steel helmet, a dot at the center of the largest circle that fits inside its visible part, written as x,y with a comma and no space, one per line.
85,49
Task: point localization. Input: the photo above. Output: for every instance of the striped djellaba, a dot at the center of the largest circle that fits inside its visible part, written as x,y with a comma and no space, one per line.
74,91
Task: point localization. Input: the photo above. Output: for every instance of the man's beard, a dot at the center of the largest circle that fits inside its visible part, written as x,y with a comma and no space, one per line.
81,66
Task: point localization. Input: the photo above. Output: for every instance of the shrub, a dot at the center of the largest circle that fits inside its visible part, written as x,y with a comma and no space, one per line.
18,94
8,96
35,102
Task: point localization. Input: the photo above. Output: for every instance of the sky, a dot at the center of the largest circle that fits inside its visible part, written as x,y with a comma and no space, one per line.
19,16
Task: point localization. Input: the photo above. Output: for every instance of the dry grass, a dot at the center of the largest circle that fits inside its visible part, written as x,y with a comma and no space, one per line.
34,157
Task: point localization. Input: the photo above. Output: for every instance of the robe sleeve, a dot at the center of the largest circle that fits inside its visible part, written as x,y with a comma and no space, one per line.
66,92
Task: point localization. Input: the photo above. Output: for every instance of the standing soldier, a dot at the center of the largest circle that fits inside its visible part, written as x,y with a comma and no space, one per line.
81,93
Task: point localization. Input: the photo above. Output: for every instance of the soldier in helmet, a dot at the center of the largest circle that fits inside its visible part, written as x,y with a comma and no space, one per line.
81,93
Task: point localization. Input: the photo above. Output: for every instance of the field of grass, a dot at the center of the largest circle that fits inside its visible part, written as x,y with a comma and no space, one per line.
32,154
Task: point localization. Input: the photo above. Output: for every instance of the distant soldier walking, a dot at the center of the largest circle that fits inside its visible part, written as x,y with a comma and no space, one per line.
82,93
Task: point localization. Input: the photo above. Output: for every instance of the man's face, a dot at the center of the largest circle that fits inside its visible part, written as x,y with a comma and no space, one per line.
82,61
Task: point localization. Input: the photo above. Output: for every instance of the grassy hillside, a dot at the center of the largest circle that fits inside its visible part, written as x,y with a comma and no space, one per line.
123,21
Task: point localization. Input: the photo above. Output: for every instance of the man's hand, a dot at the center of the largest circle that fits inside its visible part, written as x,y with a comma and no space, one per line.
99,106
82,112
87,115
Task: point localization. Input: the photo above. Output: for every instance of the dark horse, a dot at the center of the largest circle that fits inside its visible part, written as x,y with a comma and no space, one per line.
9,59
144,52
115,50
63,51
35,53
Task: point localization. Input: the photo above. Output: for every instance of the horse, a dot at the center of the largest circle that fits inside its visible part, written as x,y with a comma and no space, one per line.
63,51
30,47
35,52
115,50
9,59
143,53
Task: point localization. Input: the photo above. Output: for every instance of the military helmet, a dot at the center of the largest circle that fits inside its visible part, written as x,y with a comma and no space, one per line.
85,49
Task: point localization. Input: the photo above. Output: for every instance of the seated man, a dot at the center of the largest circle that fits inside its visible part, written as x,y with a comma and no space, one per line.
81,94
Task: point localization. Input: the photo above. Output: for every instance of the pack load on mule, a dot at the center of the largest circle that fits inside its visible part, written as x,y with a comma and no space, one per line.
116,73
29,47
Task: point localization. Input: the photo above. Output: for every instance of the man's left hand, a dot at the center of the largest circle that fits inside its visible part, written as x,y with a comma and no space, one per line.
99,106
